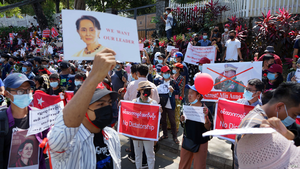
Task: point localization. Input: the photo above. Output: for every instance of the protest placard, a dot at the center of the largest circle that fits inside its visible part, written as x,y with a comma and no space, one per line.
69,95
163,89
169,48
228,115
219,132
195,53
24,150
173,51
194,113
86,33
230,79
141,46
40,120
139,120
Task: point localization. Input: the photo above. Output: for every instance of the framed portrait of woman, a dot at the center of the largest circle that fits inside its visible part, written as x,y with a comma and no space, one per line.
86,33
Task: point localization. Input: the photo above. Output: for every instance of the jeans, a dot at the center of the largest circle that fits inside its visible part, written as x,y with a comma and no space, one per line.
169,33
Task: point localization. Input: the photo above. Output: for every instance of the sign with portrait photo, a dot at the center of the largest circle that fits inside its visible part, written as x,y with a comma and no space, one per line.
24,151
230,79
86,33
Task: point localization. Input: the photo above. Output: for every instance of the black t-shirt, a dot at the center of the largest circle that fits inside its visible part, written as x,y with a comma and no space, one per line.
20,123
67,81
57,91
104,159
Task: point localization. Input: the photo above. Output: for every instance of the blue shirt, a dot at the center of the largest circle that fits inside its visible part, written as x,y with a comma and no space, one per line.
185,73
5,70
1,83
204,43
67,81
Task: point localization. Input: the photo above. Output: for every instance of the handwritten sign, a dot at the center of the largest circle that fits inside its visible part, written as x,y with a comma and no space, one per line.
195,53
41,120
169,48
239,131
139,120
121,35
194,113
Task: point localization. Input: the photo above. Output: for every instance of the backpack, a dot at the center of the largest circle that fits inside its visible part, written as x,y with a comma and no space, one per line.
4,127
175,23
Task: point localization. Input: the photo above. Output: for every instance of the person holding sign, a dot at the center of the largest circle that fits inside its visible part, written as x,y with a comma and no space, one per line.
279,113
19,92
79,137
144,91
88,28
194,146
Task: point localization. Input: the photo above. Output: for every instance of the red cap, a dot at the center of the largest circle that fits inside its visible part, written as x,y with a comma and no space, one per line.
227,25
164,69
179,65
204,60
275,68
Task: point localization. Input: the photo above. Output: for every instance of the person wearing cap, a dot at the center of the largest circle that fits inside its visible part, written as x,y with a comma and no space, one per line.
27,70
270,50
167,101
279,113
233,49
204,41
202,61
228,85
119,77
225,35
274,76
193,133
6,68
18,90
66,79
291,76
168,22
144,92
185,73
79,137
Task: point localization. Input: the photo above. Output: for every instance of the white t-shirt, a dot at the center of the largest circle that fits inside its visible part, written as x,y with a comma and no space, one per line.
169,21
231,51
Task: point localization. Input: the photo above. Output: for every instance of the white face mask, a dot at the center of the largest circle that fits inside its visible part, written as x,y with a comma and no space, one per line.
226,30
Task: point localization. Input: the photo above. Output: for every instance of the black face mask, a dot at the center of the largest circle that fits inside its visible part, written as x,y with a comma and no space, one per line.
216,30
11,63
103,117
231,37
196,39
147,92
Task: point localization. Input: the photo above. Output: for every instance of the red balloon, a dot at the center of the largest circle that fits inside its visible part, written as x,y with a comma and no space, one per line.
204,83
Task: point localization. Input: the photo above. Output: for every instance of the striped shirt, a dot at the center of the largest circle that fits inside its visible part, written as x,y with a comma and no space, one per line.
74,147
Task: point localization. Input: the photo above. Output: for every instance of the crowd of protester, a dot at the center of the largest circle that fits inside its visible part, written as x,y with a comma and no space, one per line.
86,124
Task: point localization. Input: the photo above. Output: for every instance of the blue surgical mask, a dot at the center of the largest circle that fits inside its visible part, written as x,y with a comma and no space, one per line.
288,120
154,44
204,37
174,71
195,101
271,76
77,82
24,69
23,100
248,95
166,76
54,84
36,65
160,61
159,73
200,68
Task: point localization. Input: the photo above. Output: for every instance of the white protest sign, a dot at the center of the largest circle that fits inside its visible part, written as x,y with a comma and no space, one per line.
86,33
220,132
163,89
169,48
141,46
194,113
40,120
195,53
297,74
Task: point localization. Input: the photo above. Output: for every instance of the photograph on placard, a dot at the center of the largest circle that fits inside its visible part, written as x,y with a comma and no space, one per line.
86,33
230,79
24,151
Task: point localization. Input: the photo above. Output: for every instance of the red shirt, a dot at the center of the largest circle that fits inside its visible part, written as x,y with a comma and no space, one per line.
276,57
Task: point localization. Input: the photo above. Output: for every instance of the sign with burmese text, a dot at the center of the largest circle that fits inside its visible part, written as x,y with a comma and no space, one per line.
230,79
229,115
195,53
139,120
86,33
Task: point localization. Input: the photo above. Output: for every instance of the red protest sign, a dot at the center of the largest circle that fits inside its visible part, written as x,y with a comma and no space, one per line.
54,32
42,100
46,33
138,120
229,115
69,95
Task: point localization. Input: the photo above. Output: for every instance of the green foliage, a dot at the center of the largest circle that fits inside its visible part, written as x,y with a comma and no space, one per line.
49,11
11,12
186,1
23,31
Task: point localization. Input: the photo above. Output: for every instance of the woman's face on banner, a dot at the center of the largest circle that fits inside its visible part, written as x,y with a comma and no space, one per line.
88,32
27,150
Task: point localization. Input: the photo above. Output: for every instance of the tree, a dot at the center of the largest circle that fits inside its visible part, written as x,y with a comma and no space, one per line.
40,16
11,12
79,4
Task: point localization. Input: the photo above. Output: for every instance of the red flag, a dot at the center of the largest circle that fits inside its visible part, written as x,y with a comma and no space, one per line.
46,33
42,100
54,32
69,95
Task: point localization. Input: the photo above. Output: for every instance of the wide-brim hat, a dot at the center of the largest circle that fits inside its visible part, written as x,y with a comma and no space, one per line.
99,93
144,85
